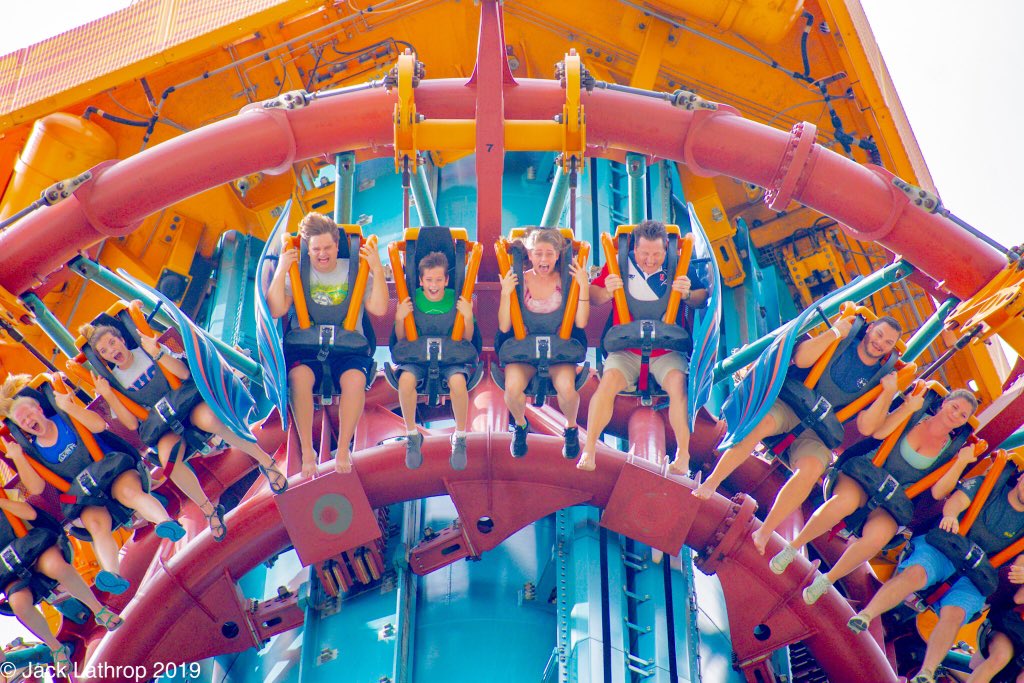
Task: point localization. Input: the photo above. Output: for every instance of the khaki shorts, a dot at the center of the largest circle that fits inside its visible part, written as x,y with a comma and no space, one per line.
808,444
628,363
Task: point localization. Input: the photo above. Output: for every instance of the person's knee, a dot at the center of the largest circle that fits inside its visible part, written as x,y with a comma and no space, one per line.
916,575
611,383
96,519
20,600
352,382
952,615
301,377
407,381
809,468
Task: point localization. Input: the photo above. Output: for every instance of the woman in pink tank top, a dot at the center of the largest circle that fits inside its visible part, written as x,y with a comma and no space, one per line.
543,294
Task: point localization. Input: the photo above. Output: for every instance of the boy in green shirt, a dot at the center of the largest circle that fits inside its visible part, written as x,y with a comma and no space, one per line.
433,297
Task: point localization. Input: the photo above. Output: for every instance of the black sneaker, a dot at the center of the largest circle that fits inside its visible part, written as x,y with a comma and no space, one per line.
571,449
519,440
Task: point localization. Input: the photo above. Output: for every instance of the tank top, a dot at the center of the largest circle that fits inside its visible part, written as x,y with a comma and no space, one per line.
548,304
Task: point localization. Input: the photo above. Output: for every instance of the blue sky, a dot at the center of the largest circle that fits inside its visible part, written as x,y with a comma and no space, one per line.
954,65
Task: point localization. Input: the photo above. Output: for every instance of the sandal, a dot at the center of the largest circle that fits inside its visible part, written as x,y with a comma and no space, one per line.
216,521
277,480
108,620
61,661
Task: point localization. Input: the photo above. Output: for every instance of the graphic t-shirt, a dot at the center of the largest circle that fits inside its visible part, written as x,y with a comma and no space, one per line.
326,289
849,372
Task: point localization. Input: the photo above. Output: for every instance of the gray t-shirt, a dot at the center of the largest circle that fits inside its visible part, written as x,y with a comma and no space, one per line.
999,524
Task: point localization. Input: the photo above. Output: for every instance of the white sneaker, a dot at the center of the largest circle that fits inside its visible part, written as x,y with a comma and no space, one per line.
818,588
783,559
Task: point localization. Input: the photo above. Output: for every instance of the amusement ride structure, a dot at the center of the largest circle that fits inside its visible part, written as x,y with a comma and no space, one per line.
441,112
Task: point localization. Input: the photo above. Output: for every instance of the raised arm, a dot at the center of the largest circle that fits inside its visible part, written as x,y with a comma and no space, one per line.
278,300
120,411
808,352
910,405
508,286
34,483
944,486
18,508
87,418
871,419
583,307
161,357
377,300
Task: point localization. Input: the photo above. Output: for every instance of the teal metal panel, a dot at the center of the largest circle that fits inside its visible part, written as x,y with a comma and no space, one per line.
471,618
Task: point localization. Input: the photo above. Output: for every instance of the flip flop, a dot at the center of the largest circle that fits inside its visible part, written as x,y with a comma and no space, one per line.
112,583
170,530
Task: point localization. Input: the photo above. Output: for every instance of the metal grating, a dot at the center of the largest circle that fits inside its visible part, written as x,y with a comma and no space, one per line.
142,31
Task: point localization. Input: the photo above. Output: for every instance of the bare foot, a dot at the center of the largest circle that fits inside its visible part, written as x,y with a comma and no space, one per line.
704,491
680,465
761,538
310,458
343,462
586,462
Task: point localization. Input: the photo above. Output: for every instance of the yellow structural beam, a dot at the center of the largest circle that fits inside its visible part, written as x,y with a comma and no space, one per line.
703,194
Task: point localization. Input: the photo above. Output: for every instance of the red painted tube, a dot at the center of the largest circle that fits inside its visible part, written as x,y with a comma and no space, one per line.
863,200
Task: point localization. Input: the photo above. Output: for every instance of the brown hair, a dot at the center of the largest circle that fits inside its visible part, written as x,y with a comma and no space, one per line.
552,236
435,259
651,231
314,224
962,395
94,333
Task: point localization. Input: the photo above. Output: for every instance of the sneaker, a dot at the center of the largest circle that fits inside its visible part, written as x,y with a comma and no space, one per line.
783,559
818,588
519,440
458,459
858,622
413,450
571,449
923,677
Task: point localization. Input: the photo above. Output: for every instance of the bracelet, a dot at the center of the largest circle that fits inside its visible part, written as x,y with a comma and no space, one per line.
584,300
157,357
839,335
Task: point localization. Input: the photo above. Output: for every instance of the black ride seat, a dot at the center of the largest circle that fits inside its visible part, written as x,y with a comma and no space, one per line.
434,346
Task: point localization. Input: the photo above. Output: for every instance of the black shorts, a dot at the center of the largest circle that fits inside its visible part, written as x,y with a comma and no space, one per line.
338,363
447,371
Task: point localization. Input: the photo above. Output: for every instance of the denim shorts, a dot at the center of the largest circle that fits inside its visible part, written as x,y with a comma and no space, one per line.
938,568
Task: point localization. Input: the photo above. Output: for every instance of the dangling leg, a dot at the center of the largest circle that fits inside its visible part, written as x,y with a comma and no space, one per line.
350,409
563,378
300,393
602,404
847,496
951,618
1000,652
459,395
407,381
736,456
188,483
127,490
878,530
202,417
517,379
97,522
30,616
912,578
674,384
52,564
809,467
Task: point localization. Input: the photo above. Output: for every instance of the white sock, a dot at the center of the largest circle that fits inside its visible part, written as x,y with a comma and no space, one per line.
413,432
460,435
